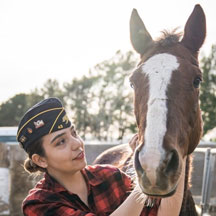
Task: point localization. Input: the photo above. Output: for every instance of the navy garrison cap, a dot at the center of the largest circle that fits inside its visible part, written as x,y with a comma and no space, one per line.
43,118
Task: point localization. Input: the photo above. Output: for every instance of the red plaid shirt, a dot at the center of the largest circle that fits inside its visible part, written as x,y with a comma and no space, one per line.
108,187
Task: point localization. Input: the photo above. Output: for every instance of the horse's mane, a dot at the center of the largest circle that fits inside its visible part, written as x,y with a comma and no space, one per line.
168,38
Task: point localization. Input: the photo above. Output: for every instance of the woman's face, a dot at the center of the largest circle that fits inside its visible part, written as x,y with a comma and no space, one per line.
64,152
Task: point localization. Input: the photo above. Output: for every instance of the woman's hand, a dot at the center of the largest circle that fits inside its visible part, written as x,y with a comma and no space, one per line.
171,206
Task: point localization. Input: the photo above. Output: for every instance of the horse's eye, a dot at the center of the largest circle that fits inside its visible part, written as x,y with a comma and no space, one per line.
196,82
132,85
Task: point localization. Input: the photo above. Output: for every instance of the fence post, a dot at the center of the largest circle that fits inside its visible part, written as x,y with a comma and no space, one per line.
207,181
4,180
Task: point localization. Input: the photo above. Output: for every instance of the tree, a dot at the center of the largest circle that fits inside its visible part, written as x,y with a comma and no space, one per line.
208,90
79,96
115,95
51,88
13,109
101,102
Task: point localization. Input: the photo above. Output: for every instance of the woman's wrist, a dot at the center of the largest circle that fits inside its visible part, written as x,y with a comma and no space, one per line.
133,205
138,195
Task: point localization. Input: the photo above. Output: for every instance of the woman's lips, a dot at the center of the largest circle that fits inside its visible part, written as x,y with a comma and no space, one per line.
80,156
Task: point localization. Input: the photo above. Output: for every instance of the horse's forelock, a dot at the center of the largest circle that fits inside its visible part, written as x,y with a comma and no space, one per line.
168,38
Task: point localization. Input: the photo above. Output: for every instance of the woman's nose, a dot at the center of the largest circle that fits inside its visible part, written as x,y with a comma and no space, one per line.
75,143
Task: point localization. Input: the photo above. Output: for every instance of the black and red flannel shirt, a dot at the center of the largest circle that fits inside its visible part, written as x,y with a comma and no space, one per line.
107,186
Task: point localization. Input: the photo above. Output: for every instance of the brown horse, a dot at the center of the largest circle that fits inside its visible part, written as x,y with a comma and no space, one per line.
166,104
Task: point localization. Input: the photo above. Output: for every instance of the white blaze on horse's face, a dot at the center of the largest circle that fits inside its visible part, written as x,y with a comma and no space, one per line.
159,70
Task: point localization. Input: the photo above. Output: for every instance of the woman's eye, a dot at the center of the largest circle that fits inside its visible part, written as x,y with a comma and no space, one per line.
197,82
61,142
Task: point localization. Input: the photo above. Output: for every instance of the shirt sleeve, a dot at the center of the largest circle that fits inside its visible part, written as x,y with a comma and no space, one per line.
57,210
126,180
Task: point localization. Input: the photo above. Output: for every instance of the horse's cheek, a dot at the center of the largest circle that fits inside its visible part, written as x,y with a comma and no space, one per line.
195,137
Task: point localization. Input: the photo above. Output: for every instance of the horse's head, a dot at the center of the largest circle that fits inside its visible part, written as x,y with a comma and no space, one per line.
166,88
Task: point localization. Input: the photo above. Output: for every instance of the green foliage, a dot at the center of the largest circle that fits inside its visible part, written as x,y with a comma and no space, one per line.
51,88
208,90
80,96
102,103
12,110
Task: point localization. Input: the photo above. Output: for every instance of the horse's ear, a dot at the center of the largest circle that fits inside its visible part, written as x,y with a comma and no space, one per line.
195,30
140,38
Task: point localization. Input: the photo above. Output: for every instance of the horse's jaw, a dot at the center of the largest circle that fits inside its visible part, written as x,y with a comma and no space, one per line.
156,196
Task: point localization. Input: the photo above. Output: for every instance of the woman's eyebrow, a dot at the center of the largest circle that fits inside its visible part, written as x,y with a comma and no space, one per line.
56,137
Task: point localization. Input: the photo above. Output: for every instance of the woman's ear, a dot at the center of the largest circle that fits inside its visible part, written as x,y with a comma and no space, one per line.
39,160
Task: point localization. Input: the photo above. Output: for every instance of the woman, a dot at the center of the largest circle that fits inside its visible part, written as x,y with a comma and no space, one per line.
69,187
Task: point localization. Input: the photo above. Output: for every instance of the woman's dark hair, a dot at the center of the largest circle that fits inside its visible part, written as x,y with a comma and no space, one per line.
34,148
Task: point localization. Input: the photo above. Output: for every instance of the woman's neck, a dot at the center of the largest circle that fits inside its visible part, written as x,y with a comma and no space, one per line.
74,183
70,181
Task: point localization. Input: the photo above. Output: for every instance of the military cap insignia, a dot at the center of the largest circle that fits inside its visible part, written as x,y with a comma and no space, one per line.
38,124
65,119
22,139
29,130
60,126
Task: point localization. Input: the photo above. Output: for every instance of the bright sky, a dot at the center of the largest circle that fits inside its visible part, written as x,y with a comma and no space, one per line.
62,39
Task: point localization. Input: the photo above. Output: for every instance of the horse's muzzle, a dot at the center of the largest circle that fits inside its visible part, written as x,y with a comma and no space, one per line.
160,179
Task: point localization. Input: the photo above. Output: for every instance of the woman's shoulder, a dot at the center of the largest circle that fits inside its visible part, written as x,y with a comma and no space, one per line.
39,188
43,189
102,169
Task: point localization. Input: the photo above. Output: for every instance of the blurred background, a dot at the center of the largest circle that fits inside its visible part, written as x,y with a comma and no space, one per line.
80,51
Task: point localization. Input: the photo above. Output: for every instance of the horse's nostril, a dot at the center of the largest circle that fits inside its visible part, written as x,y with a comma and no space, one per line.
137,164
173,162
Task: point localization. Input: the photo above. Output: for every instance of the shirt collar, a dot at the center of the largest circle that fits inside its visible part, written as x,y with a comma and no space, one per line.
52,184
90,177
